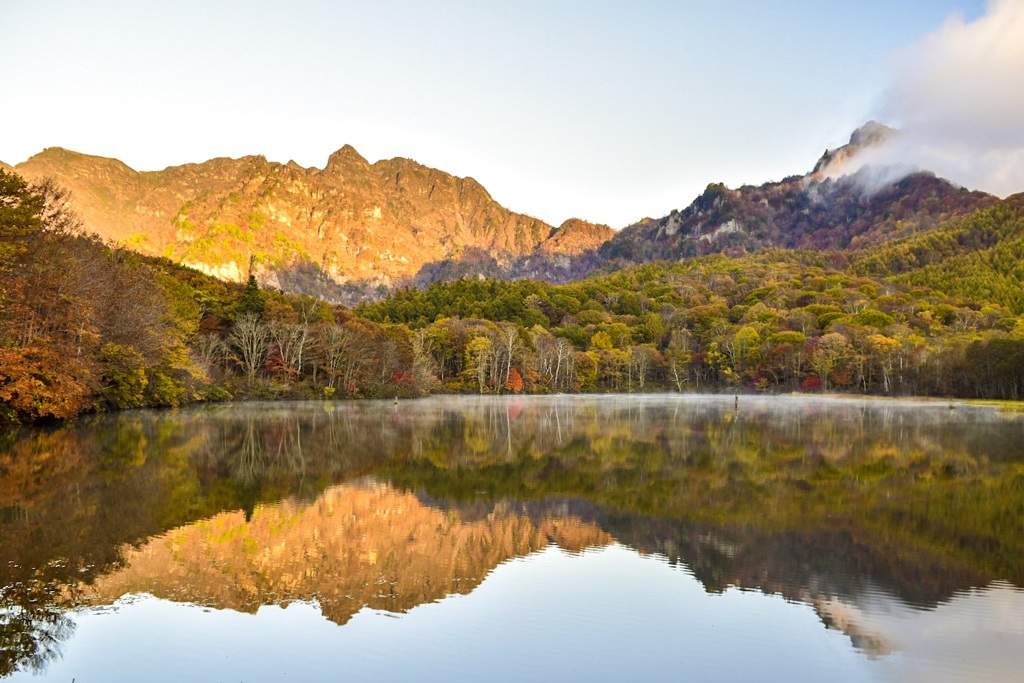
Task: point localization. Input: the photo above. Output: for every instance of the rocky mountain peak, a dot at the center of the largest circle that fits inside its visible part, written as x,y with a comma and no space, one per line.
575,236
346,157
833,162
871,133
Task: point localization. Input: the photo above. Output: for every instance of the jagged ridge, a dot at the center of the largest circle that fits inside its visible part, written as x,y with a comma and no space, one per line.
351,222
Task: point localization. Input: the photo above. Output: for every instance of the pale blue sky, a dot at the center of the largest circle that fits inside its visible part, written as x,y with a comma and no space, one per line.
609,111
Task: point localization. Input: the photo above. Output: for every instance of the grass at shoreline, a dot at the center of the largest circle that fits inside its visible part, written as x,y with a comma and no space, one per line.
1001,405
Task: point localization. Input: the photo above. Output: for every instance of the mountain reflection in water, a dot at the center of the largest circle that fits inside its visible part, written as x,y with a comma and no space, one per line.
841,505
366,545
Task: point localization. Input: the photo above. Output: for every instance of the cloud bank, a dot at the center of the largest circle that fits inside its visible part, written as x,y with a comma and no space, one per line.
958,102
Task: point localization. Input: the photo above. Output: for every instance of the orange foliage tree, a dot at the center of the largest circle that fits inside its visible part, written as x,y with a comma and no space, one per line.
514,382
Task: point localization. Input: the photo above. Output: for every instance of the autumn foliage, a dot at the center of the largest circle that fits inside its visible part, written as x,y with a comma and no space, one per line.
85,326
82,326
514,382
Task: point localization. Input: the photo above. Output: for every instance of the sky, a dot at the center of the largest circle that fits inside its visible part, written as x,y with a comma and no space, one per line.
606,111
957,100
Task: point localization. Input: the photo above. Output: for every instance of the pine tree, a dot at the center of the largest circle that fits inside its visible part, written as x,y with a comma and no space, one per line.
251,300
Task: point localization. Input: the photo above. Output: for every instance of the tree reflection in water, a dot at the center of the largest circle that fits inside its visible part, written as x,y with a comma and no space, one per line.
32,627
821,501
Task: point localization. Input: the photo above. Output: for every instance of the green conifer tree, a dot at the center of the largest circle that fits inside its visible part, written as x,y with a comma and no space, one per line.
251,300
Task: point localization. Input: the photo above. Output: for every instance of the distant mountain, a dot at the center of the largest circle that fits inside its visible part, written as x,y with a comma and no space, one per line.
821,210
311,230
354,230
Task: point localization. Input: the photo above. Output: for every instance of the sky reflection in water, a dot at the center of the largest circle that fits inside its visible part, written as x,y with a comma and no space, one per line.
603,615
608,614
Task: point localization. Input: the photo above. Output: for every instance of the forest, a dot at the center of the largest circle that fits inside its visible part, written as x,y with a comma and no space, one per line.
88,327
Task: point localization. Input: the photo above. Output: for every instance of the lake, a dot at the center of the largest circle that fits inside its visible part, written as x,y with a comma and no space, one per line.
602,538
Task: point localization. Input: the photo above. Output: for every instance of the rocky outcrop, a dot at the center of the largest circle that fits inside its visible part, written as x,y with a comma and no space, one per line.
835,162
567,254
575,237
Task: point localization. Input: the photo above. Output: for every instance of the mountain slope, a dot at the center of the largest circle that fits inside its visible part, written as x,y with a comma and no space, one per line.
980,257
816,211
350,222
797,213
348,231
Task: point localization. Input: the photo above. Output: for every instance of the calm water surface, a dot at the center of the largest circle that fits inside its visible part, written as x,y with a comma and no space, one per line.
510,539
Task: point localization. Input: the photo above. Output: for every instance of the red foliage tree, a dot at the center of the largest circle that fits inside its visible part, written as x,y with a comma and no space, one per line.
811,383
514,382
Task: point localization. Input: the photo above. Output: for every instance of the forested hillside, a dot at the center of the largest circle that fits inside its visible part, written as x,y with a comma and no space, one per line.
81,323
980,257
84,326
778,321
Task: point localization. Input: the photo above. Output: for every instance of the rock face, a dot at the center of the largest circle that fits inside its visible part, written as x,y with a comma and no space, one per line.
351,222
568,253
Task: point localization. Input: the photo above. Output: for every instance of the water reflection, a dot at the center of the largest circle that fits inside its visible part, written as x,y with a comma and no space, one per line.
838,505
32,628
356,546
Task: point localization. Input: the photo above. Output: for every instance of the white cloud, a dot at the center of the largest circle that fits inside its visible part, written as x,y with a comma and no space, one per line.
958,100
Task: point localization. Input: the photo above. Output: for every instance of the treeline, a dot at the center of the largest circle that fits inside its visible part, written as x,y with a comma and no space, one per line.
778,321
86,327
